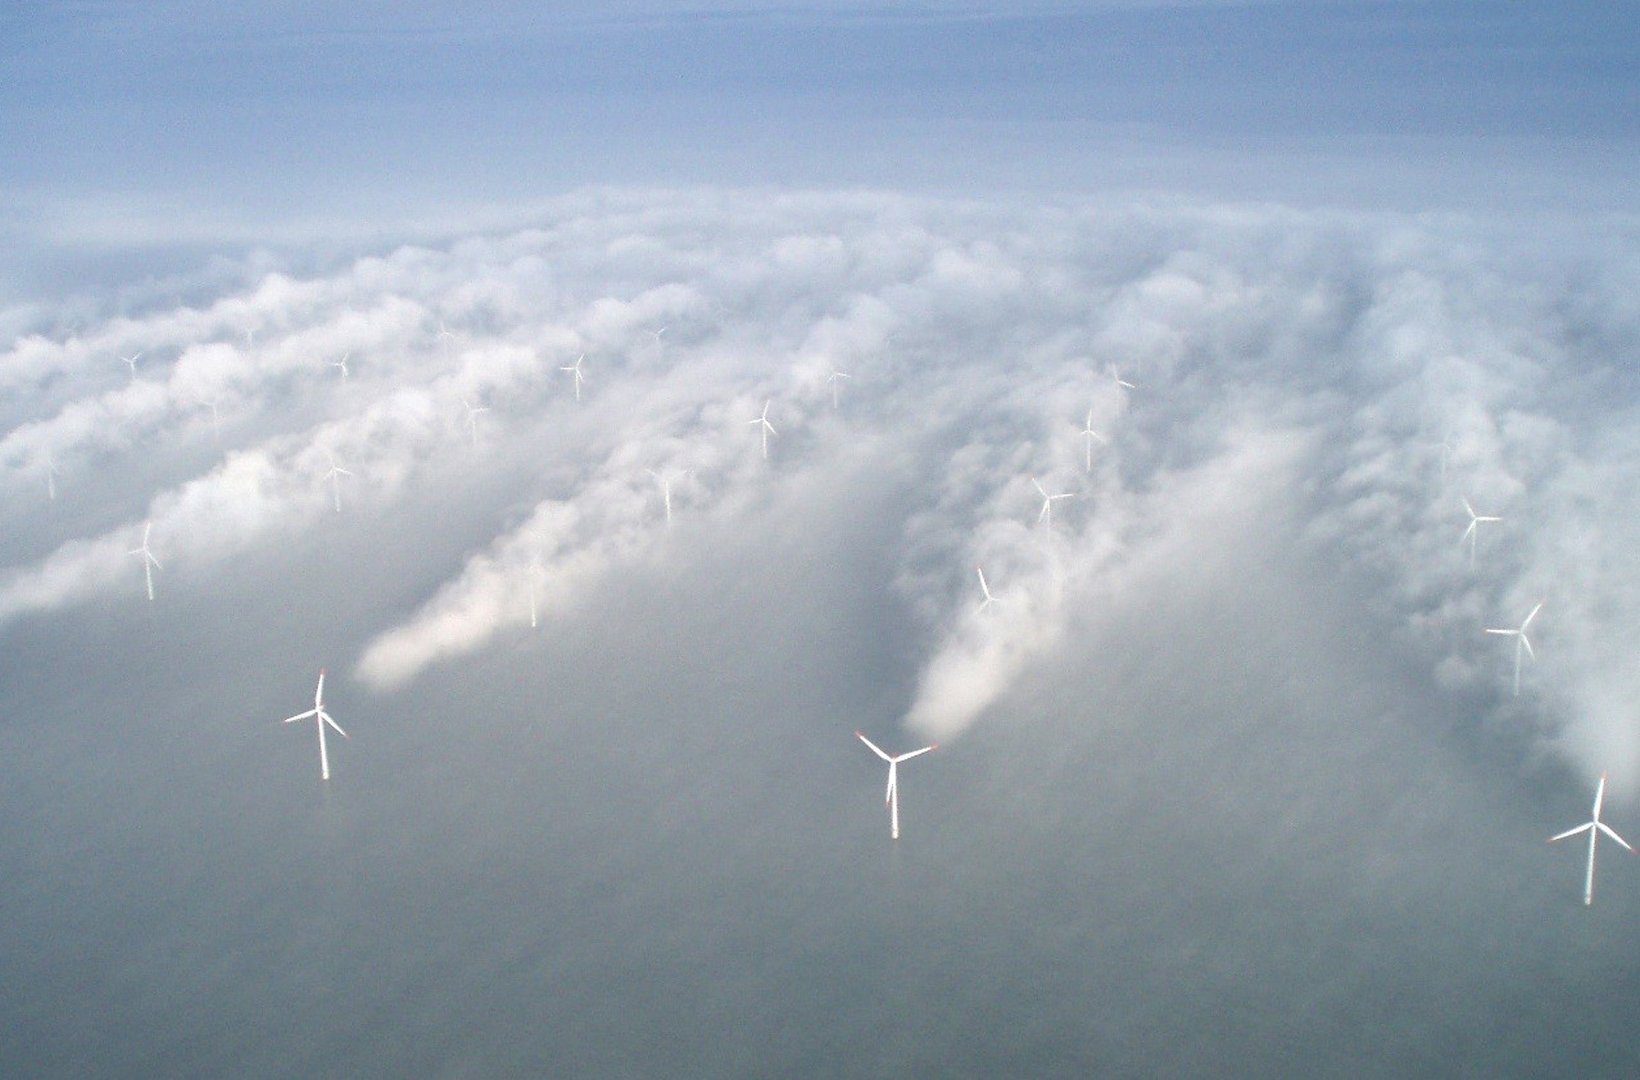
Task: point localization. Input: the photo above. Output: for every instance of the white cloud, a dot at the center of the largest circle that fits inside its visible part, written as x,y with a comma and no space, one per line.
1304,363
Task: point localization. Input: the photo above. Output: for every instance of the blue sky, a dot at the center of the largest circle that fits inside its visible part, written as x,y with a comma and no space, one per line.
200,117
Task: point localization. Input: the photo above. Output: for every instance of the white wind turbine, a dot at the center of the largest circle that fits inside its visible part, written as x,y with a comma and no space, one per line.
1088,435
321,718
1472,534
1522,642
984,588
250,337
149,563
1045,515
472,419
835,379
1121,383
51,478
893,796
656,334
768,428
665,481
445,335
131,362
341,364
335,477
535,581
1594,827
575,369
214,404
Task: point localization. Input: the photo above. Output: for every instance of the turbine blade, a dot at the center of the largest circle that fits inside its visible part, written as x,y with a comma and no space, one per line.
1530,617
325,717
300,716
1572,832
1510,633
917,753
874,748
1526,641
1608,831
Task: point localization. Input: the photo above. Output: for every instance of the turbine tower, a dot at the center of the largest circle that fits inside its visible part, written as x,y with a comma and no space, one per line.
575,369
768,428
321,718
51,478
1594,827
1089,435
535,581
149,563
1522,642
893,796
334,476
1473,533
1045,515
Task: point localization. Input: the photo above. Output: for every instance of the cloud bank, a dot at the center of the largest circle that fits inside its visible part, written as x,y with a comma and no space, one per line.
1351,378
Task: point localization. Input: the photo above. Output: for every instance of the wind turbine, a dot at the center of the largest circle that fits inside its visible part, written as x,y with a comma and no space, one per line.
51,478
768,428
149,563
320,718
216,416
984,588
893,796
1121,383
342,363
1046,513
1521,642
1473,533
656,334
1445,446
334,476
575,369
833,380
446,336
1089,435
1594,827
131,362
472,419
666,492
535,578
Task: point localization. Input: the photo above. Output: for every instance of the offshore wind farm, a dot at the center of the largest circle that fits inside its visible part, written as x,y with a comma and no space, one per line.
636,525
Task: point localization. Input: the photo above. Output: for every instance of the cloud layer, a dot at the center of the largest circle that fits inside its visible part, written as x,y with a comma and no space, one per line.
1350,378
